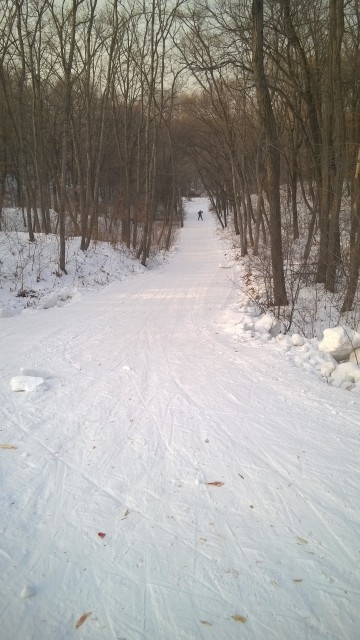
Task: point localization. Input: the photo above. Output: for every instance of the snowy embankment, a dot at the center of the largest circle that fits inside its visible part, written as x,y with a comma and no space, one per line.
335,356
30,277
161,479
321,357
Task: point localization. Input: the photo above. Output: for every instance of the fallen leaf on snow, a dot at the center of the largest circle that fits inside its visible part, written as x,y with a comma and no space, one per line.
208,624
7,446
215,484
239,618
126,514
297,579
101,534
302,540
82,619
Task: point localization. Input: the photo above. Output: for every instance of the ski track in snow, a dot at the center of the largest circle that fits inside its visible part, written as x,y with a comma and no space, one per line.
148,403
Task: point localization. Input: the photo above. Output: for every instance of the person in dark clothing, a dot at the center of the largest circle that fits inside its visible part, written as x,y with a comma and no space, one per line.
200,215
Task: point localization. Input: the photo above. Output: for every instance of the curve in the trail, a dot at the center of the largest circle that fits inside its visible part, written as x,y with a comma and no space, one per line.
225,483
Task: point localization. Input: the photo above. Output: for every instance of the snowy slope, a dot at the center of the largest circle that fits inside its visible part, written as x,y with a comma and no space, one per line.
144,403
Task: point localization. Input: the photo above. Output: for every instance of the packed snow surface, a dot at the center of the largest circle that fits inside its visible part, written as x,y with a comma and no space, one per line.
171,478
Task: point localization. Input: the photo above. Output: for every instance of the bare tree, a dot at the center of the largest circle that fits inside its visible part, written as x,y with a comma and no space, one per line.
332,151
271,154
354,269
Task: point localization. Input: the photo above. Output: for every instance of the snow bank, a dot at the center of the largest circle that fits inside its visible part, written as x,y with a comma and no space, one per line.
315,356
345,374
56,298
244,322
297,340
6,313
355,356
30,277
339,342
310,354
266,324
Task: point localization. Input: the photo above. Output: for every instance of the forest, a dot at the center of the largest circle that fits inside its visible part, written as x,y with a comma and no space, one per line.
114,111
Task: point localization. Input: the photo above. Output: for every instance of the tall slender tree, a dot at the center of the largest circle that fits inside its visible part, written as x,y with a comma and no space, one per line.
271,153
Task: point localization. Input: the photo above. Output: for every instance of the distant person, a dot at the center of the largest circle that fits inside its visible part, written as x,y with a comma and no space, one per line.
200,215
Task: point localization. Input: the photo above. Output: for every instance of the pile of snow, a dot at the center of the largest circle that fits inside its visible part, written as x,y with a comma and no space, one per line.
27,383
246,323
322,356
30,380
340,342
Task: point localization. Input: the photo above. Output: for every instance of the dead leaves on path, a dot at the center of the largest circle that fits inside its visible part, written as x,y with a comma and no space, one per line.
238,618
218,483
82,619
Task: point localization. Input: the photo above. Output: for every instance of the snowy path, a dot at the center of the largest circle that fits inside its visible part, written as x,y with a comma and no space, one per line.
149,403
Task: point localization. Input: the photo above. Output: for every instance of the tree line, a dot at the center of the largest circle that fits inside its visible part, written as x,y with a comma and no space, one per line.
87,94
279,113
110,110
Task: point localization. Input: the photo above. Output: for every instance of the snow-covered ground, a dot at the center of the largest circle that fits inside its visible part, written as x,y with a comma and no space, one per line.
166,475
30,277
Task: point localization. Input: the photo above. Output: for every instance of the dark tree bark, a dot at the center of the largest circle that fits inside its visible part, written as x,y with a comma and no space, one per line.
355,245
271,154
336,33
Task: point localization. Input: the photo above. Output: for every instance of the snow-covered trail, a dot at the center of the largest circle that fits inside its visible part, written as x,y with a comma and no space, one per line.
148,405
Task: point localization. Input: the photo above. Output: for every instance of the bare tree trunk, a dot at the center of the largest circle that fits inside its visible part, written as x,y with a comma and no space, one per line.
293,189
355,245
37,116
332,153
67,49
100,141
259,204
23,164
309,95
272,155
239,218
336,33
